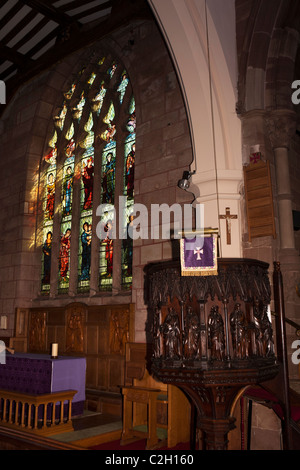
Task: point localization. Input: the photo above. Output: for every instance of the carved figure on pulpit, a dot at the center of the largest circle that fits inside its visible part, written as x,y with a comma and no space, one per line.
257,317
191,334
239,333
215,331
171,335
267,333
156,334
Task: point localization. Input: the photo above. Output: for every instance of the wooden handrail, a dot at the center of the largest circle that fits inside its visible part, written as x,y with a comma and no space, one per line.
289,322
21,410
282,352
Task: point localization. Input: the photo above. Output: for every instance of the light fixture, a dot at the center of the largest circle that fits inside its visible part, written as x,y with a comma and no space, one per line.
184,183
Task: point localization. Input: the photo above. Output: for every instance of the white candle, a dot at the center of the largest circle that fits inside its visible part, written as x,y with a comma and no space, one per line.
3,322
54,350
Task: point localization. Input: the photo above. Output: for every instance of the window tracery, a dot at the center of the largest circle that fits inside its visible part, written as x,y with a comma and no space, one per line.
89,161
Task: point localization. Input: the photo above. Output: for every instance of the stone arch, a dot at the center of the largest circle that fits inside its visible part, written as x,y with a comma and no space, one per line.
267,47
202,46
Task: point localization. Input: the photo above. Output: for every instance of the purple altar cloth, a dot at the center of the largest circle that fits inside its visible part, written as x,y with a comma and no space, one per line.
38,373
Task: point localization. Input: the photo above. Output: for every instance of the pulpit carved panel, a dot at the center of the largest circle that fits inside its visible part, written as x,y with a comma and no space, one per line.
211,336
211,321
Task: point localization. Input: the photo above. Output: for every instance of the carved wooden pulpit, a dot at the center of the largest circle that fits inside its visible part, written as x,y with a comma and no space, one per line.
211,336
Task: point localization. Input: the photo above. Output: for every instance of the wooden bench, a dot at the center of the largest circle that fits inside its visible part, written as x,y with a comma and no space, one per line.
151,409
37,414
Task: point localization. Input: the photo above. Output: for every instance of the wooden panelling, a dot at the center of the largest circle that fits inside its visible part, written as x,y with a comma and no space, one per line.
98,333
259,200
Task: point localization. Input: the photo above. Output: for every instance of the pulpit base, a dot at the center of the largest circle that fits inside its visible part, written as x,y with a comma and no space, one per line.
213,392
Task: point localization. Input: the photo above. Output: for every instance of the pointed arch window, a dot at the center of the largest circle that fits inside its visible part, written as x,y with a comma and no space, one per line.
89,161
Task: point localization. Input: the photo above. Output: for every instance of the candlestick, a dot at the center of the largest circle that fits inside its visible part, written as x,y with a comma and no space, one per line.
54,350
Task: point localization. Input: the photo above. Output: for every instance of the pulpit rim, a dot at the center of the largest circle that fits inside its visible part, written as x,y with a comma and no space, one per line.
175,263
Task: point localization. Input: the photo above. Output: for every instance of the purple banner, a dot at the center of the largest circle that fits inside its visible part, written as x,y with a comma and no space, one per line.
199,260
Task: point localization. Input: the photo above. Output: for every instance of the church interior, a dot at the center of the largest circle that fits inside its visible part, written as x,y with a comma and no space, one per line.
126,128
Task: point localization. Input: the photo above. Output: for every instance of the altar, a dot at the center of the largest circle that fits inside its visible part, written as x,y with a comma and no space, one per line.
37,374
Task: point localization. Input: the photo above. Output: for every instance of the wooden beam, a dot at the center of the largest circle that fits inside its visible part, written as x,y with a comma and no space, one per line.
12,55
93,10
30,34
123,13
10,14
50,12
79,3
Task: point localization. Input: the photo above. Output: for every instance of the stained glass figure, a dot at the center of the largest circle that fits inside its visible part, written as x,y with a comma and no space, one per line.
67,189
70,132
49,210
109,117
86,240
64,258
70,148
129,164
87,142
78,109
108,173
109,134
123,85
129,168
97,101
91,79
131,122
48,213
47,247
59,118
68,94
51,156
84,259
106,254
112,69
89,124
87,177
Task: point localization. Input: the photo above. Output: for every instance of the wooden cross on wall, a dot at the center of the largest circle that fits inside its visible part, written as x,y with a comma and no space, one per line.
228,218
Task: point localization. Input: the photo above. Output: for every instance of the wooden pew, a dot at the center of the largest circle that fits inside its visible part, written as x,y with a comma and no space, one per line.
151,409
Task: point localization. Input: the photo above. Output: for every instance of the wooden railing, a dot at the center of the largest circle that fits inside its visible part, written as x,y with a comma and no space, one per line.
277,393
37,414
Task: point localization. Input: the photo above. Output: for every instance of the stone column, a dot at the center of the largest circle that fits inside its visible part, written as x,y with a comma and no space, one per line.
281,125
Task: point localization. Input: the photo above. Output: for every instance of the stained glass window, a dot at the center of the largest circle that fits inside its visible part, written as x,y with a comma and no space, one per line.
89,162
49,180
66,216
128,191
107,200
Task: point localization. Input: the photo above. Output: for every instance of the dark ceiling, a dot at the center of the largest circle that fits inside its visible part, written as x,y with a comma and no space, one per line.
34,34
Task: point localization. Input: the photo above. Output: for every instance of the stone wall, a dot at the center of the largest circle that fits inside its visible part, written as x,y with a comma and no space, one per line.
163,152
